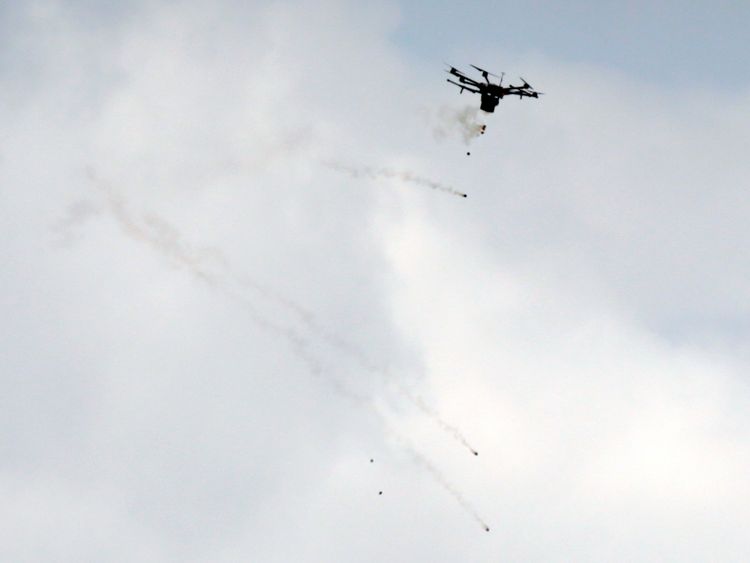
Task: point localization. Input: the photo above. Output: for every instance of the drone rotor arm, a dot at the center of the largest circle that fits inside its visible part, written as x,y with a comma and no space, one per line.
469,81
464,87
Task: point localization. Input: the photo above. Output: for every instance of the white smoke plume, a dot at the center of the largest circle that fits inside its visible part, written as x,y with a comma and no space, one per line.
431,413
463,122
389,173
207,263
438,476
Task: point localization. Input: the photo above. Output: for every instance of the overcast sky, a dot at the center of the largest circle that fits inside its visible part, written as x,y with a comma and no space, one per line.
235,271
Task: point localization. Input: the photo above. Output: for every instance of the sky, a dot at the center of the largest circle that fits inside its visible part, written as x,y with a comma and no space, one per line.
247,314
674,44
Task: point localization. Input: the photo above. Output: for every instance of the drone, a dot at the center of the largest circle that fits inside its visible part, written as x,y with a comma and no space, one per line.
491,93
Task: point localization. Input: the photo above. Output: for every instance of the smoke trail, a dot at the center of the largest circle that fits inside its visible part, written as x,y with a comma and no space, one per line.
431,413
462,121
353,352
204,262
365,363
212,267
404,175
436,474
165,239
448,486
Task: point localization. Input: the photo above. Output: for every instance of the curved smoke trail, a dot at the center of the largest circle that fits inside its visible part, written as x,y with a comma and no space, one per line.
212,267
403,175
448,486
423,462
431,413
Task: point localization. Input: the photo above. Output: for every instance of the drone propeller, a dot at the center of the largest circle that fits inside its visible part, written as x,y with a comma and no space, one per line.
525,84
485,72
450,69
